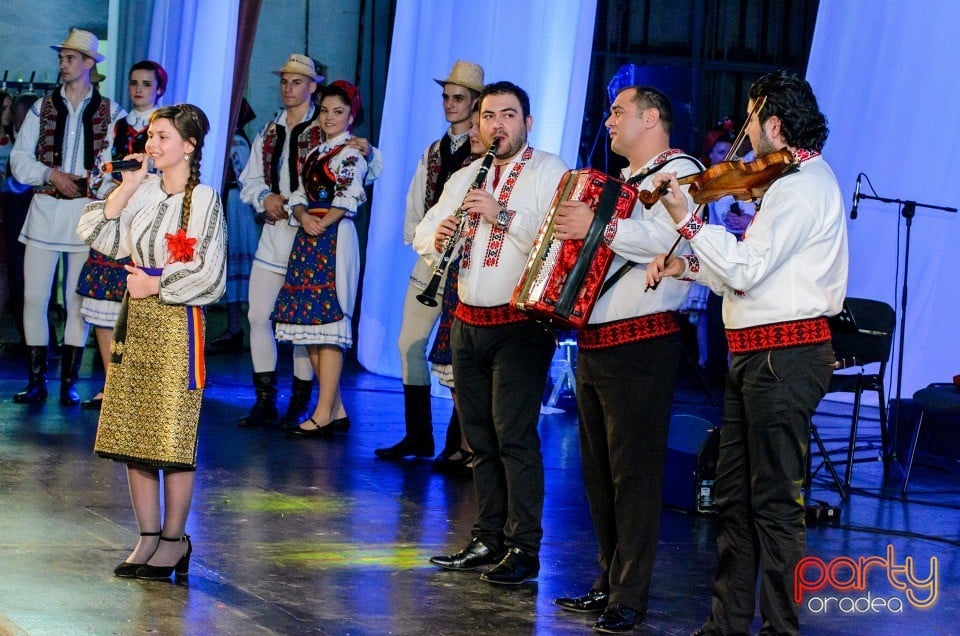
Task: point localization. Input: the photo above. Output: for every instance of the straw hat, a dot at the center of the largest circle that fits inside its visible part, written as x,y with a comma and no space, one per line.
301,65
466,74
82,41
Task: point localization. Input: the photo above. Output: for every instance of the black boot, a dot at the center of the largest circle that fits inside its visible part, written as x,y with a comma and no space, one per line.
36,390
419,438
70,359
452,443
299,400
264,411
453,459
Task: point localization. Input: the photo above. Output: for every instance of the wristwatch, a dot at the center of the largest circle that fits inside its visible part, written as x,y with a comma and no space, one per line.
503,219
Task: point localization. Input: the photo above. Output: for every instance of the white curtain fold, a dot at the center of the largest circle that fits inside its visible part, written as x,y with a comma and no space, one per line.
195,42
882,73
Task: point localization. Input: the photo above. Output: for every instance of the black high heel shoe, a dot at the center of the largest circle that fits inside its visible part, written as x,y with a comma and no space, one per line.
129,570
161,572
341,424
93,404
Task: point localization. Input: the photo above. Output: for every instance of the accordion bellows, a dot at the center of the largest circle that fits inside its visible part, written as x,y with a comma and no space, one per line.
563,278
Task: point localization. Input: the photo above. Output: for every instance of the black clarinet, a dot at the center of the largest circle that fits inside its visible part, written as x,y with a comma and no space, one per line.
429,295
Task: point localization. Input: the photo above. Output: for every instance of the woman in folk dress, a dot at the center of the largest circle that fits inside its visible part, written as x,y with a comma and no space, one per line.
103,280
315,305
172,227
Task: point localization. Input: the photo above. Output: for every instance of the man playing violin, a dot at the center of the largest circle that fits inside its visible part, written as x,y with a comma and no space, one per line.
779,284
627,365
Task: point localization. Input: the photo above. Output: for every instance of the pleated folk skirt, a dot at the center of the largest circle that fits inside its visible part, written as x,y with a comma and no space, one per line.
150,406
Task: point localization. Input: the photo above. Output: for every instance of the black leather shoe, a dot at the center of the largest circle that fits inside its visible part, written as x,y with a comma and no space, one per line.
297,407
592,601
515,568
405,448
474,555
127,570
340,424
618,619
459,467
326,431
92,404
70,359
264,412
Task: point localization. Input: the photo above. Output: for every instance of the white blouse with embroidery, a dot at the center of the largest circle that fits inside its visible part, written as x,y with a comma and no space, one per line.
140,232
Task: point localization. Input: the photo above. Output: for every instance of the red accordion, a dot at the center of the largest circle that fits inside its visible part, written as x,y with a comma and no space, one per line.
562,279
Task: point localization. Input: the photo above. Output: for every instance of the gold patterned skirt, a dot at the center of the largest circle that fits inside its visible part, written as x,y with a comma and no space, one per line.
150,406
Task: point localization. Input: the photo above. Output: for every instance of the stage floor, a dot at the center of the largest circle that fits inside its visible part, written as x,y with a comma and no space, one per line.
319,537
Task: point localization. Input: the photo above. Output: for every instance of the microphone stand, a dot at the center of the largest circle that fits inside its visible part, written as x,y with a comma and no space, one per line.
908,210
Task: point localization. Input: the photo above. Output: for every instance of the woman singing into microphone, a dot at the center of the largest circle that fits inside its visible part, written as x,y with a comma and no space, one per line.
172,227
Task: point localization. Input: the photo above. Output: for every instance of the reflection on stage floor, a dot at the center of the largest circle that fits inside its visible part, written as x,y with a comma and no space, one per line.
317,536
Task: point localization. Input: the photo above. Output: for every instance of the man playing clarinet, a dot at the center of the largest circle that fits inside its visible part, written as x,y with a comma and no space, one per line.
500,355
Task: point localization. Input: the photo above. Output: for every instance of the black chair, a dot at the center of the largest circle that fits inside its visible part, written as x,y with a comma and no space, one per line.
863,336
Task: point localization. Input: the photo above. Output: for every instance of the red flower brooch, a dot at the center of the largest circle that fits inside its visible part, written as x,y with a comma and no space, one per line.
180,247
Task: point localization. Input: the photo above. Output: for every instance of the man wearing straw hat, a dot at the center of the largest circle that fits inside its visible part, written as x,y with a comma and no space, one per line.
442,158
271,174
62,137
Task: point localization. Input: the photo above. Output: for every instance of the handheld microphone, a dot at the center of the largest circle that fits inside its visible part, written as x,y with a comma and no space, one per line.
856,198
122,165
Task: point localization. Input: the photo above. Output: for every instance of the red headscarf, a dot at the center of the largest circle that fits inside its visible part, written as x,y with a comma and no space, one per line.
353,93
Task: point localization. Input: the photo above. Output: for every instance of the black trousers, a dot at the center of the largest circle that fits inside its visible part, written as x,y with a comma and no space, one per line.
770,398
623,396
500,373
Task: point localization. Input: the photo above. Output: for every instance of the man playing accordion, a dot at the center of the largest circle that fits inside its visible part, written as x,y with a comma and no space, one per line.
628,361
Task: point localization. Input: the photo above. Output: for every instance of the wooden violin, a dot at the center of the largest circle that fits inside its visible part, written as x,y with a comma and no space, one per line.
646,195
743,180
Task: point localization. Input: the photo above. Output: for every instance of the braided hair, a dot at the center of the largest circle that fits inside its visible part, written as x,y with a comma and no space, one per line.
192,125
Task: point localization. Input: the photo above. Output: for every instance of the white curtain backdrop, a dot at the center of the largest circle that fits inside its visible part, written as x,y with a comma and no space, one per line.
542,45
883,73
195,42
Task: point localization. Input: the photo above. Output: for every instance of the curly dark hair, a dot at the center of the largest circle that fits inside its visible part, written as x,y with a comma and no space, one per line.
791,98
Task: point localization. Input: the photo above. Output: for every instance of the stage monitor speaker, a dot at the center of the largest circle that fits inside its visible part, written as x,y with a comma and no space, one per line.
937,439
691,464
